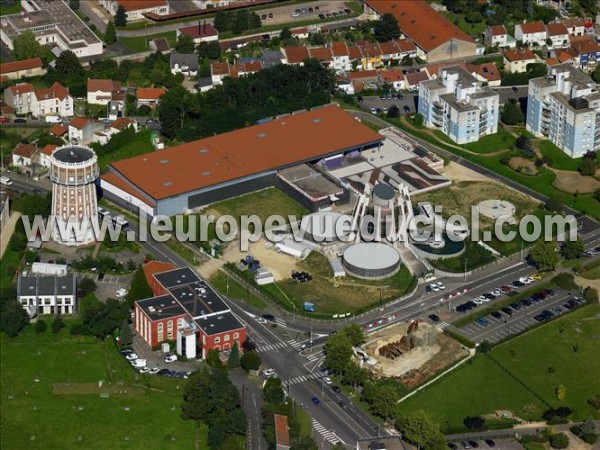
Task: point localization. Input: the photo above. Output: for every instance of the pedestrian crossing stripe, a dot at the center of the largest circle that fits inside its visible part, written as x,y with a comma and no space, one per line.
299,379
328,435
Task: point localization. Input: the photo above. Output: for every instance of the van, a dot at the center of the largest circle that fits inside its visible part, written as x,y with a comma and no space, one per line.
53,119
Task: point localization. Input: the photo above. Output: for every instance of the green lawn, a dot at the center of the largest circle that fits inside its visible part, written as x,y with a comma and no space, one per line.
492,142
8,266
142,411
232,288
481,387
116,150
592,271
472,29
140,43
559,159
13,9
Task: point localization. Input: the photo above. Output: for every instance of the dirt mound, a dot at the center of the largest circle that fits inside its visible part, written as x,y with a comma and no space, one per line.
526,166
573,182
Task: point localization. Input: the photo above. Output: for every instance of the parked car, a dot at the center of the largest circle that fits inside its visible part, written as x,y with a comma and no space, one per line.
121,293
154,371
131,356
138,363
327,380
269,317
335,389
269,372
490,443
5,181
170,357
19,120
3,119
434,317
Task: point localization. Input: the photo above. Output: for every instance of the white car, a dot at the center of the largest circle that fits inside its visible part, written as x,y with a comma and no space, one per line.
525,280
144,370
327,380
434,287
121,293
5,181
170,358
131,356
477,301
153,371
441,285
138,363
497,292
269,372
484,299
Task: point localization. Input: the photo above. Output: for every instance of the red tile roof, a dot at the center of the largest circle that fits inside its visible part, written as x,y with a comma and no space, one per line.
354,52
489,71
250,66
370,49
103,85
586,45
150,93
552,61
57,90
25,150
359,75
556,29
199,31
414,78
117,181
23,64
219,68
532,27
282,435
58,130
296,54
519,55
574,22
321,54
392,75
218,159
566,55
48,149
497,30
121,123
78,122
339,48
420,22
135,5
21,88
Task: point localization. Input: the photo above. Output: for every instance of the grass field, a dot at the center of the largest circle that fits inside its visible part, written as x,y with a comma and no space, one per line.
12,9
140,43
232,288
145,413
592,271
481,387
492,142
559,159
140,143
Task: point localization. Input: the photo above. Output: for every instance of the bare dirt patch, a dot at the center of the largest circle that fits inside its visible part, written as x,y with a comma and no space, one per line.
433,352
456,172
520,163
573,182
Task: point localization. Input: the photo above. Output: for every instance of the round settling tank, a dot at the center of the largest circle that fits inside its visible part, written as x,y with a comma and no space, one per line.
371,260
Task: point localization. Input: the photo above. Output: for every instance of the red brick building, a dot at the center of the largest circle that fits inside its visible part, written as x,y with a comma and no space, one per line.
187,310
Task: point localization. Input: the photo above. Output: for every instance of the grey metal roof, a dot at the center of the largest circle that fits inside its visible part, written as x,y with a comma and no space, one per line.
46,286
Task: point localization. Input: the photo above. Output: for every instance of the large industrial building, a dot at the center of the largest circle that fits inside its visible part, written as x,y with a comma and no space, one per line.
565,107
188,176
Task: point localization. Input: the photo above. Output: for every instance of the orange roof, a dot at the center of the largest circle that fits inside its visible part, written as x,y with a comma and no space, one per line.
414,78
295,54
78,122
57,90
219,68
339,48
121,123
552,61
25,150
565,55
489,71
498,30
370,49
321,54
49,148
556,29
200,30
58,130
532,27
420,22
392,75
153,267
250,66
354,52
241,153
23,64
21,88
94,85
586,45
282,435
135,5
358,75
519,55
150,93
301,30
574,22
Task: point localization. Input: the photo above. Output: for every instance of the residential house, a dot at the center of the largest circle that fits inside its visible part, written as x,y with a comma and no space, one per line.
300,33
221,70
82,129
59,130
341,56
136,9
486,72
47,294
24,68
564,107
203,32
295,54
497,36
393,78
184,63
55,100
459,105
322,54
531,33
575,26
516,60
101,91
149,96
587,50
558,34
344,83
25,155
46,153
364,79
435,37
121,124
372,56
20,97
414,78
160,45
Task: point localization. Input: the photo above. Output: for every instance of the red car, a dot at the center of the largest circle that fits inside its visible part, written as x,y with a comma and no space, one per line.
3,119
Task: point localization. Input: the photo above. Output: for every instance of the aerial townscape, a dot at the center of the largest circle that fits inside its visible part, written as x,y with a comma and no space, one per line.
299,224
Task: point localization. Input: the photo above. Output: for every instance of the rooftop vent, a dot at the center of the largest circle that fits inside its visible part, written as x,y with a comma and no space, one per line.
317,120
164,161
203,150
167,183
262,135
205,174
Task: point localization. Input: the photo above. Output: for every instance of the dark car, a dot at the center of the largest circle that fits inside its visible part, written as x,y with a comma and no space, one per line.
269,317
19,120
474,444
359,99
315,400
101,276
516,306
452,445
335,388
270,15
507,310
497,315
515,89
406,109
434,317
321,16
490,442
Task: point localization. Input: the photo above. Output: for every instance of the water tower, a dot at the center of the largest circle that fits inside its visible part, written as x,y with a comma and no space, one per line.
73,171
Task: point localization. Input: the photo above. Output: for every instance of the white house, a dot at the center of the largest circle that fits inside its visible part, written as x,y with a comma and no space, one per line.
55,100
497,36
47,294
531,33
184,63
100,92
575,26
203,32
136,9
558,34
516,61
24,155
45,154
82,130
149,96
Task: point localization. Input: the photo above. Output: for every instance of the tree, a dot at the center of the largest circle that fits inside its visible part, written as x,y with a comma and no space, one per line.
354,375
544,255
590,295
559,440
139,288
565,281
185,44
222,21
394,111
588,167
474,17
386,29
355,333
68,63
234,356
474,422
338,352
597,192
57,324
418,120
554,203
596,74
524,144
273,391
87,285
74,4
485,346
103,318
196,397
18,242
25,46
121,17
511,113
420,430
213,359
382,398
40,326
110,35
572,249
126,335
285,34
250,360
172,110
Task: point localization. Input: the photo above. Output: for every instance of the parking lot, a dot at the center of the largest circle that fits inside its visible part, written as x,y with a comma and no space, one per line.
407,103
519,316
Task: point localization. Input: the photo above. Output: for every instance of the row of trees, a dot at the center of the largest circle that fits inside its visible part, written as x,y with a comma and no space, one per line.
236,21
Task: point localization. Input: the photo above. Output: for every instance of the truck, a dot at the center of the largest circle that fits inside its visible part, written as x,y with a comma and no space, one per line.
53,119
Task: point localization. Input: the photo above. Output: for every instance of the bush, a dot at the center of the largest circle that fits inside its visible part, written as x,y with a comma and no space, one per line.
40,326
80,329
87,285
590,295
565,281
589,438
559,440
57,324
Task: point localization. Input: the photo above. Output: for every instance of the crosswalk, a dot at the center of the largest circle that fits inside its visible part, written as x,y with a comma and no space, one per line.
299,379
314,356
329,436
279,345
295,344
442,325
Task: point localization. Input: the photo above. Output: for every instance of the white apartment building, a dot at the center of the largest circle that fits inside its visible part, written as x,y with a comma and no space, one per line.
565,107
53,101
458,104
136,9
